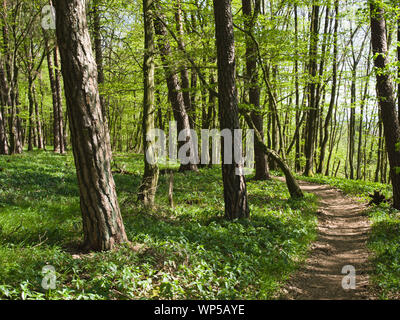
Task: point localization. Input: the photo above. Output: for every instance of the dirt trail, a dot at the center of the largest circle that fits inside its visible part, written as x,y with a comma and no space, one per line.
342,236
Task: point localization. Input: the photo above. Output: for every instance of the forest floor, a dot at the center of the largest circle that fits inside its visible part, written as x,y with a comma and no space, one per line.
343,232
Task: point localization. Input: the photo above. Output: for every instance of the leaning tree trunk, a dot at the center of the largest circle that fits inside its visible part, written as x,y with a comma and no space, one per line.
235,192
150,178
293,186
385,95
102,222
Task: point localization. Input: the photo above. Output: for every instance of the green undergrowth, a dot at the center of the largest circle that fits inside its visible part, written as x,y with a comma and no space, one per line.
358,188
384,240
189,252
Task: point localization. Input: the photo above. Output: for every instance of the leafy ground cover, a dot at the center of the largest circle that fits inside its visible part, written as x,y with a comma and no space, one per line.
188,252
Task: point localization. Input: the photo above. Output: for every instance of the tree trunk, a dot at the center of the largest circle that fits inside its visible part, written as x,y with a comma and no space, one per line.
261,161
174,92
185,82
313,112
150,178
38,121
386,96
4,102
102,220
99,53
235,192
59,109
328,118
293,186
53,87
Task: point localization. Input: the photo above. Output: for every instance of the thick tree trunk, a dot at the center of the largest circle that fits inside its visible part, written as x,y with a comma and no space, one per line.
235,192
102,221
150,178
386,96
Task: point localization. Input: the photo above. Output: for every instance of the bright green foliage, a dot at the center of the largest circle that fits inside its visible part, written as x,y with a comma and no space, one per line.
357,188
187,252
384,242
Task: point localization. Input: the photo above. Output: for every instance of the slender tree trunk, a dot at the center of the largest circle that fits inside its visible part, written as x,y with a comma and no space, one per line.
56,122
235,192
102,220
59,109
352,123
328,118
38,121
175,93
150,178
361,129
313,112
99,53
386,96
185,82
31,110
4,102
297,164
379,151
398,67
261,161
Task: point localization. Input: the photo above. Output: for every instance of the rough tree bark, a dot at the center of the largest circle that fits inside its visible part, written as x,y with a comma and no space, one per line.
102,221
235,192
385,95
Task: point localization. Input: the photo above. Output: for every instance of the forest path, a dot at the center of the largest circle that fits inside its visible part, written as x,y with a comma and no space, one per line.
342,240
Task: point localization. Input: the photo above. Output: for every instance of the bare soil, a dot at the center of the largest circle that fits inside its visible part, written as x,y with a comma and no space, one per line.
342,240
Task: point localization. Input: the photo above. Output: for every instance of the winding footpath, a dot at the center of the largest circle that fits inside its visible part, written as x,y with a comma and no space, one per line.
342,241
